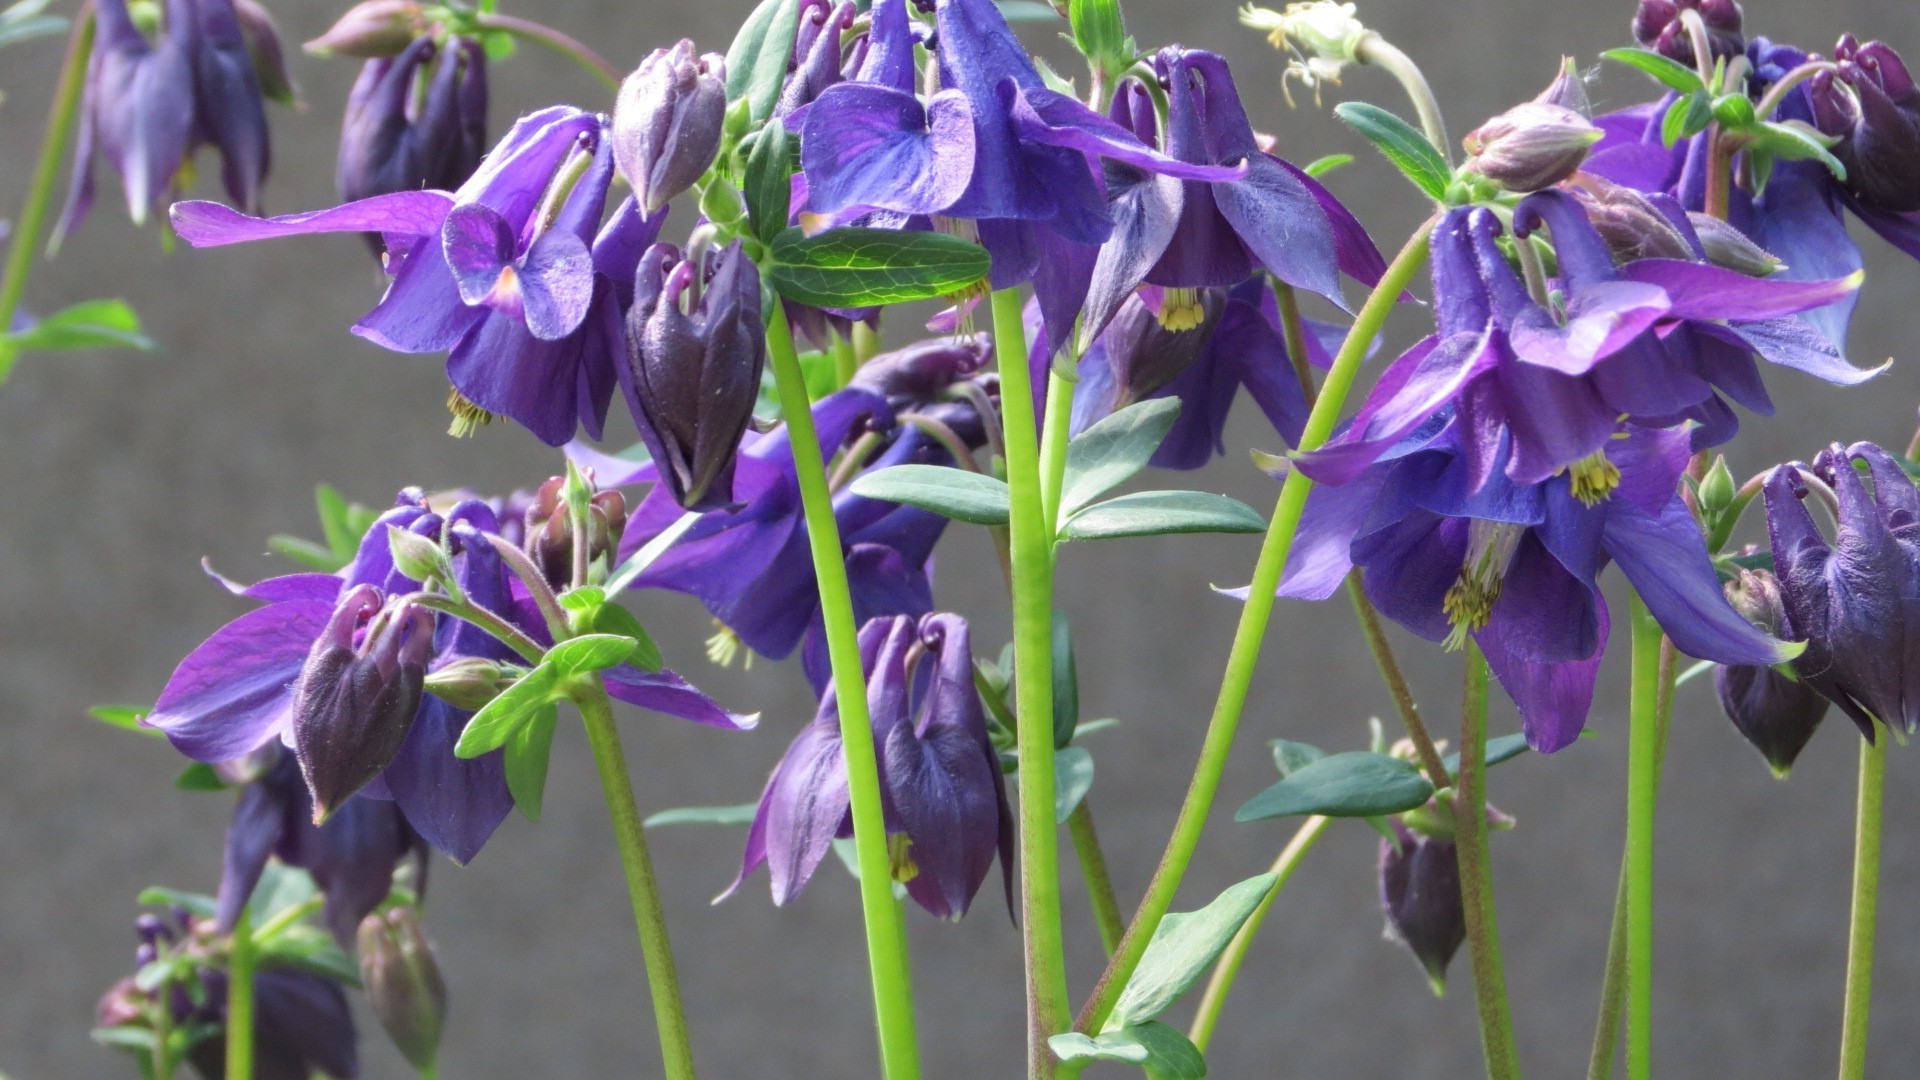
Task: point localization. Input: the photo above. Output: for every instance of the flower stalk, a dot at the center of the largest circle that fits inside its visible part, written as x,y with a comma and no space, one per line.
1476,877
1866,888
1643,766
540,34
240,964
1099,882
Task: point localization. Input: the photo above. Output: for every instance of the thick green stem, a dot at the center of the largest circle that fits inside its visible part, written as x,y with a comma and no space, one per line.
846,362
1643,764
240,961
577,51
1093,868
1381,53
892,988
46,173
1294,331
1866,888
1227,968
676,1050
1476,877
1054,436
1244,655
1030,542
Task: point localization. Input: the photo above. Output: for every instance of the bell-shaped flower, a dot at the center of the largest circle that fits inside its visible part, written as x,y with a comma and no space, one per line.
1776,713
1854,600
1657,25
696,347
1447,555
1539,388
1872,105
393,139
1420,895
942,789
138,110
354,701
666,124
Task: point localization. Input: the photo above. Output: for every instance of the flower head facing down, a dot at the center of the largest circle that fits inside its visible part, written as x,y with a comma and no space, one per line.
393,139
1775,713
1420,895
1661,25
1872,105
357,694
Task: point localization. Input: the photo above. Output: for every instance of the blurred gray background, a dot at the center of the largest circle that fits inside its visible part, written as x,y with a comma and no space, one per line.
120,471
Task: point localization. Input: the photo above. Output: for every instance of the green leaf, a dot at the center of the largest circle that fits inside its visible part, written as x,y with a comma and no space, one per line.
1184,946
519,704
1403,145
1358,783
1675,75
1321,166
705,815
27,20
588,652
1117,1045
126,717
199,776
1686,117
336,521
1290,757
1113,450
757,59
855,267
1796,140
499,45
90,324
1066,682
195,904
614,619
769,180
1158,513
1170,1054
1504,748
960,494
1072,779
527,752
305,552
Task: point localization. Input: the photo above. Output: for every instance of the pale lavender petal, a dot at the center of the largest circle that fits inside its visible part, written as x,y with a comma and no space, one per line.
411,213
1702,291
324,588
1599,320
556,285
479,246
1054,119
665,692
1281,221
1796,344
869,146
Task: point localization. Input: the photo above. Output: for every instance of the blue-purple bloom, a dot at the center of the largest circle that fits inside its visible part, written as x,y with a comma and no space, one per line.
942,789
1420,896
1447,553
394,139
1776,713
528,309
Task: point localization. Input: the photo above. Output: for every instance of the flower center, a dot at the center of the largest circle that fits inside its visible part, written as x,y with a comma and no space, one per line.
1469,602
467,417
725,646
1181,309
1593,478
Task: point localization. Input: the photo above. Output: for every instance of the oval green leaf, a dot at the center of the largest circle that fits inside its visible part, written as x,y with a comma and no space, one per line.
956,493
1158,513
1403,145
855,267
1358,783
1115,448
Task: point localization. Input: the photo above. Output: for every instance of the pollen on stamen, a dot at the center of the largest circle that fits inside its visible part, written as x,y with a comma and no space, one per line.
1468,606
1181,310
467,417
900,857
725,646
1593,478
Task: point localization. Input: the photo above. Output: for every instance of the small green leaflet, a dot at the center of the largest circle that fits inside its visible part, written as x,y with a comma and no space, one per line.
1073,778
1115,448
528,750
960,494
125,717
1504,748
757,59
518,704
1158,513
856,267
1677,76
1358,783
769,180
1403,145
588,653
705,815
1184,946
1161,1051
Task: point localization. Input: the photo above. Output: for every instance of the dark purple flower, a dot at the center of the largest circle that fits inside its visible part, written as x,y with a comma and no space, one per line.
1774,712
817,62
1854,600
356,696
696,347
1657,25
138,110
1872,106
666,125
1446,554
1538,389
1420,894
394,138
528,310
941,785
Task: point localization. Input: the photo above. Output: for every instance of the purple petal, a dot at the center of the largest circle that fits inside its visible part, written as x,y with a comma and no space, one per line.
1553,699
805,805
1599,320
410,213
1358,256
1145,209
872,147
665,692
422,311
1322,551
454,803
1796,344
1424,380
1053,119
1800,221
1666,559
556,285
504,369
1280,220
324,588
234,692
1702,291
479,246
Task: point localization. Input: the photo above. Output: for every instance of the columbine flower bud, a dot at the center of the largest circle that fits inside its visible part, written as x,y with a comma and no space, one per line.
549,529
1568,90
667,121
1872,105
1850,598
1727,246
1146,350
816,53
1657,25
1774,713
1631,225
469,683
394,139
1531,146
403,983
356,696
695,350
1420,892
372,29
269,58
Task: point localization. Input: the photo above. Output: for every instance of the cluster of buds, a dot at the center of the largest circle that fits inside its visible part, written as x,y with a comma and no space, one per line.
551,527
1661,25
1871,104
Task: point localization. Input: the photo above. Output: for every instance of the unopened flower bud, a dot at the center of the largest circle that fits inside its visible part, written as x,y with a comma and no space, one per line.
1872,105
1531,146
1567,90
667,122
355,699
1420,892
695,357
1727,246
468,683
269,58
417,557
372,29
1775,714
1717,488
1631,225
1658,25
399,136
123,1005
403,983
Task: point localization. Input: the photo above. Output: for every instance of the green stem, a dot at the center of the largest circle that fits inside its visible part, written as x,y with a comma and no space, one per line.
162,1056
676,1050
1643,764
1866,887
240,961
1396,680
1476,877
1244,655
1227,968
46,173
430,1071
846,362
892,988
577,51
1381,53
1294,330
1030,542
1054,436
1093,867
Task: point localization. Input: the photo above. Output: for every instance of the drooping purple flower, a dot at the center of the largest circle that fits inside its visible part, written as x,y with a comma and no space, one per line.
403,983
527,306
1855,600
394,138
1447,554
1420,895
817,55
1184,233
1537,389
1657,25
696,347
1872,105
942,789
1776,713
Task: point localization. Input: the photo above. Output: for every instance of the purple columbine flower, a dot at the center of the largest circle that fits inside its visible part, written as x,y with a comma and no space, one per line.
526,303
1516,566
1537,389
1657,25
943,792
1853,599
1184,233
394,138
1420,895
237,692
1872,105
817,55
1774,712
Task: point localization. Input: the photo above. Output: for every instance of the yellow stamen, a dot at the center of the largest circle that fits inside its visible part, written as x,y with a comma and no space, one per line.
725,646
1181,309
1469,601
900,857
467,417
1593,478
